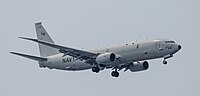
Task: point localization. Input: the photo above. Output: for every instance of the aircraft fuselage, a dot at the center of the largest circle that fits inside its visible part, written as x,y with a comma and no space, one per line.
136,51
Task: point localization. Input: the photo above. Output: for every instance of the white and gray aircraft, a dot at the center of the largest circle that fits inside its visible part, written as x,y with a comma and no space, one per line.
131,56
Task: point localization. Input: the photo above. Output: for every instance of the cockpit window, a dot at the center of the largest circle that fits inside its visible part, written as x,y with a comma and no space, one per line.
169,42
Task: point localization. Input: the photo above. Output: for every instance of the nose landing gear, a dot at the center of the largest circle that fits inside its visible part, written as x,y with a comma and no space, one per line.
167,57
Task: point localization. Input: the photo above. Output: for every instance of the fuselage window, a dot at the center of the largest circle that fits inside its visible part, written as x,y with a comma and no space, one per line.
169,42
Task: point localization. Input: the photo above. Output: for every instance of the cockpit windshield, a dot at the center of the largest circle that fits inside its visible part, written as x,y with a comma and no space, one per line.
169,42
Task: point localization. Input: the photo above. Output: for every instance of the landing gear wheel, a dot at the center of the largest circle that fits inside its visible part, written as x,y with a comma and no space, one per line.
95,69
164,62
115,74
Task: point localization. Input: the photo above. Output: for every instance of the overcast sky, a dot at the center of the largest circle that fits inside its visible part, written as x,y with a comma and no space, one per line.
92,24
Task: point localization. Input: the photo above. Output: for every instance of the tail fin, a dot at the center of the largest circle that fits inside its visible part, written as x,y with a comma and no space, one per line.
44,36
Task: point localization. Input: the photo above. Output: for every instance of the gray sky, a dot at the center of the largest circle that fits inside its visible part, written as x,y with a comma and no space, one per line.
99,23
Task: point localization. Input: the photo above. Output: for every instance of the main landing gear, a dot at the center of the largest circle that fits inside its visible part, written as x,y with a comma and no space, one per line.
115,74
164,62
95,69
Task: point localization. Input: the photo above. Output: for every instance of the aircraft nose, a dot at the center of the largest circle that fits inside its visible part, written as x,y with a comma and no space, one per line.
179,47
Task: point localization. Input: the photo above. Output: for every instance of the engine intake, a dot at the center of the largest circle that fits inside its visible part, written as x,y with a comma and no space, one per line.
139,66
106,58
112,57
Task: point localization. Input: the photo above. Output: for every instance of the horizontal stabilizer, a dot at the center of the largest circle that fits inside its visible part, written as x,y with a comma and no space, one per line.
30,57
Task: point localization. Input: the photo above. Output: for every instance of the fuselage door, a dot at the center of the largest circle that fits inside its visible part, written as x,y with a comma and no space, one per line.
157,44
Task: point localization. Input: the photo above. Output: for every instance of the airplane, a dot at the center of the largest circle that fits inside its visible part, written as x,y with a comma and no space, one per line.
125,57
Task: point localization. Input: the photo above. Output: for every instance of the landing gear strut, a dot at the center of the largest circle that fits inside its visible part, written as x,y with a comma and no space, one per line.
95,69
166,57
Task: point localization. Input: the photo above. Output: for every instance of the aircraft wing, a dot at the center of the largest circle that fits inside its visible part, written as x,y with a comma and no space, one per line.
79,54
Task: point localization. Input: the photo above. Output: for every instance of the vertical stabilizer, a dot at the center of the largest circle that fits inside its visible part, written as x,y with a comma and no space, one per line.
44,36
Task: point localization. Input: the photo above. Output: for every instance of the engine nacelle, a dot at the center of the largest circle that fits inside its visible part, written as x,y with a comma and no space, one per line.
140,66
106,58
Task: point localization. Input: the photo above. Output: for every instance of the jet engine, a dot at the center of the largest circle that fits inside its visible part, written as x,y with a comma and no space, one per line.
106,58
139,66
